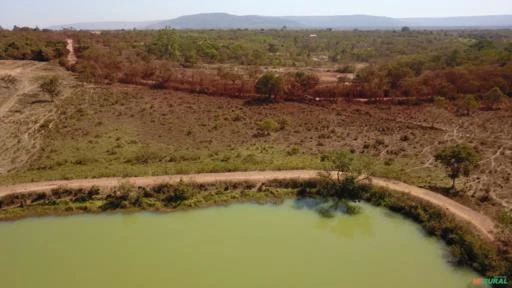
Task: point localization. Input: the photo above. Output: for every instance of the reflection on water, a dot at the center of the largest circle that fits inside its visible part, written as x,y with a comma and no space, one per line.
346,226
338,223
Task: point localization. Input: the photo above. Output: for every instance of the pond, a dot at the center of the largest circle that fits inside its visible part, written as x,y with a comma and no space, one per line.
243,245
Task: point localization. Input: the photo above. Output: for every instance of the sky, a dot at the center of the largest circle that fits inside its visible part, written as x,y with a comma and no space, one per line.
44,13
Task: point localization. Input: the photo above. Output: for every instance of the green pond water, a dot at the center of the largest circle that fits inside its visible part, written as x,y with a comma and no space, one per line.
237,246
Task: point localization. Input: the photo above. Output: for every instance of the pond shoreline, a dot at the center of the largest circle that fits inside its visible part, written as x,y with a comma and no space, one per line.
466,245
482,223
215,242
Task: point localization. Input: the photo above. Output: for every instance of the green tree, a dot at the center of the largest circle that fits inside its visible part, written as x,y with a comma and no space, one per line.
458,160
51,86
396,73
466,104
297,83
343,162
269,84
406,29
343,179
166,44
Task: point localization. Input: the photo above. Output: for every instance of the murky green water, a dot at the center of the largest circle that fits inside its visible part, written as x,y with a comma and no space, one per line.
237,246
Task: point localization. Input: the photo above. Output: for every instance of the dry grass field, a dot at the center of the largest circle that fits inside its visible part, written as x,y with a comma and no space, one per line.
123,130
26,112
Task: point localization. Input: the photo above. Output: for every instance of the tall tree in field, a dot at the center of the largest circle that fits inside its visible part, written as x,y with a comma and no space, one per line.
459,160
269,84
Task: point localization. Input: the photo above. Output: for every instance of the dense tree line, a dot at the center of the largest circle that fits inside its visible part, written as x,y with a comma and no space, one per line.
31,44
457,66
476,69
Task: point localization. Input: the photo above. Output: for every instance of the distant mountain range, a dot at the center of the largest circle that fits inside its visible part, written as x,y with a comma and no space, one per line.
228,21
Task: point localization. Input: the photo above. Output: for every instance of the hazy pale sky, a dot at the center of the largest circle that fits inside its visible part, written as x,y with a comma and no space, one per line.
50,12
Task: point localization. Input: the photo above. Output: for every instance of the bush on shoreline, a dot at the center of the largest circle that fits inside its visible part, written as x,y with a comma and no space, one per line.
466,248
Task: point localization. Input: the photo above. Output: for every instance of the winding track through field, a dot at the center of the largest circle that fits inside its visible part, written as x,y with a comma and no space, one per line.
71,56
24,86
481,223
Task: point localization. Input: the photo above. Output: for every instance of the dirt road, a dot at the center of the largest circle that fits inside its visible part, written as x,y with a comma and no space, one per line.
71,56
481,222
24,86
25,110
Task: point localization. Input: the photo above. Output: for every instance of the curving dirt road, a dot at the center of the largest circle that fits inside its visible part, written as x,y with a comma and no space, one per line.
482,223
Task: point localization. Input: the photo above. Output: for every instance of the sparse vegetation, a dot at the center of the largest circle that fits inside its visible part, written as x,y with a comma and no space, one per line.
7,80
51,86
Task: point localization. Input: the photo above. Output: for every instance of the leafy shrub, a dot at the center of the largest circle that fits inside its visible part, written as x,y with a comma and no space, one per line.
177,194
466,104
93,191
296,84
59,193
269,84
15,199
268,125
83,198
51,86
37,197
113,204
162,189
